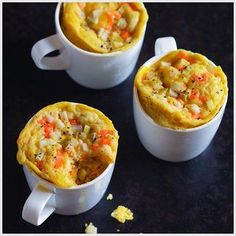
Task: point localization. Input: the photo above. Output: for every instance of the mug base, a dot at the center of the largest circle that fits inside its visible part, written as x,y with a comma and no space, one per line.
98,87
75,211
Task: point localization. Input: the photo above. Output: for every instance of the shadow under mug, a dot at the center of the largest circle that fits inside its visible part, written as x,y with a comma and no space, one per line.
91,70
166,143
47,198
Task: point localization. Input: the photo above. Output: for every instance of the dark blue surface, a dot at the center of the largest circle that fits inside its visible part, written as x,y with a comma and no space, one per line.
195,196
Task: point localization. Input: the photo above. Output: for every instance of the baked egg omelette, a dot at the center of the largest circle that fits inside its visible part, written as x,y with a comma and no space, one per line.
103,27
68,143
181,90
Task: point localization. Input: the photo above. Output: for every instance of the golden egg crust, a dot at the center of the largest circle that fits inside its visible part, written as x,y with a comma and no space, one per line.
68,143
181,90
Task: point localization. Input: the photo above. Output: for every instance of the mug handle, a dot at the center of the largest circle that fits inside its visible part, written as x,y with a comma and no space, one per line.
39,205
45,46
164,45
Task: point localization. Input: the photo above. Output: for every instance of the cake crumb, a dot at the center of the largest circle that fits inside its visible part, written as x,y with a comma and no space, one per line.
109,196
90,228
122,213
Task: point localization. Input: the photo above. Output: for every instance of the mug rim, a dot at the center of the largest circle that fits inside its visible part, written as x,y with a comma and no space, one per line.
151,61
81,186
110,54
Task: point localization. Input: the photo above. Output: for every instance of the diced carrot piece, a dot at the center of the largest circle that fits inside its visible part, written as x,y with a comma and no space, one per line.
42,121
200,78
133,6
194,78
109,28
182,55
110,18
40,164
105,132
203,98
72,172
204,77
191,60
195,115
73,121
194,94
117,15
48,127
59,159
95,146
104,141
125,34
180,67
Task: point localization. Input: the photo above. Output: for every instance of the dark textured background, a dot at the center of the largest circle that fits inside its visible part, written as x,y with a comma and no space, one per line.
195,196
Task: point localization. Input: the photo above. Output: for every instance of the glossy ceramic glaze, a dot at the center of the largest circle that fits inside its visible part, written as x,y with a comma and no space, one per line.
47,198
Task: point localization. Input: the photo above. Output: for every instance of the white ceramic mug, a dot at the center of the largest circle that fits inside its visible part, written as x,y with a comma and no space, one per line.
47,198
165,143
92,70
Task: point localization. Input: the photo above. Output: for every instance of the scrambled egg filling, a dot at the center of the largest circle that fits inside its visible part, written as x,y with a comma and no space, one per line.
90,228
103,27
122,213
181,90
109,196
68,143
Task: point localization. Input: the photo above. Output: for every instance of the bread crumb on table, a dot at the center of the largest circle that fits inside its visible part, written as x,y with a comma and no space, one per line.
109,196
122,213
90,228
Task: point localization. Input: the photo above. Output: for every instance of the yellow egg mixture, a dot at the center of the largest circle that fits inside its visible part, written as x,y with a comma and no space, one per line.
103,27
68,143
122,213
181,90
